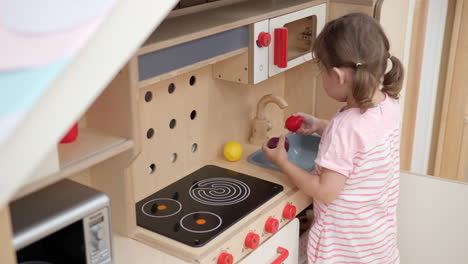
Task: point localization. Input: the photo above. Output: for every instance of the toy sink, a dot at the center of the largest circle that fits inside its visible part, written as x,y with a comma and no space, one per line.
302,152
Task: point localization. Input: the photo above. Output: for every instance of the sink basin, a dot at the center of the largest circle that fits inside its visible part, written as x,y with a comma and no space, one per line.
302,152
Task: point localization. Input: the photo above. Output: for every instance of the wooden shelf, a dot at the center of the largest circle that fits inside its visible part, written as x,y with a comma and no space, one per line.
90,148
188,27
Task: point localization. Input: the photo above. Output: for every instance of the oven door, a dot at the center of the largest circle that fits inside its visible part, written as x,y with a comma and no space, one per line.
86,241
292,37
283,247
64,246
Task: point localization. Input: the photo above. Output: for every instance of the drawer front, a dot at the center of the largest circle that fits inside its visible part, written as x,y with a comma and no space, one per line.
285,242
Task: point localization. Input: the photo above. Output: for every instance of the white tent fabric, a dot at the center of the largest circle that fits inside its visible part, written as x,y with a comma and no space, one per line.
113,43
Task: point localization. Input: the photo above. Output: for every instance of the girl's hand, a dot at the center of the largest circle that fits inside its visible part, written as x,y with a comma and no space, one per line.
309,125
277,155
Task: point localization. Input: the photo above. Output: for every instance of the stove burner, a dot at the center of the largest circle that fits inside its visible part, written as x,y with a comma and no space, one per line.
219,191
201,222
161,207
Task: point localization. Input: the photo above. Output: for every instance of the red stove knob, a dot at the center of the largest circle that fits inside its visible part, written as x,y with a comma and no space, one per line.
264,39
225,258
272,225
252,240
289,212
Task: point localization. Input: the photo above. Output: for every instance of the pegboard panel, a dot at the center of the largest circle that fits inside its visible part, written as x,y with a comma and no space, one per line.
174,116
207,111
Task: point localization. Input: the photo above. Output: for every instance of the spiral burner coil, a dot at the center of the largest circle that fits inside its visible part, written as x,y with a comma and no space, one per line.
219,191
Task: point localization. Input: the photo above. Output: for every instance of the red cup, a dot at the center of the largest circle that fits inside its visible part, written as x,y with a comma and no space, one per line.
71,135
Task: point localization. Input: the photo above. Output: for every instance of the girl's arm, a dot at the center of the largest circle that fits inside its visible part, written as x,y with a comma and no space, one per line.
311,124
321,125
324,188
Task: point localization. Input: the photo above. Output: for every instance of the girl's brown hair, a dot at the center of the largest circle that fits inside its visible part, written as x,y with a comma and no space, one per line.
357,41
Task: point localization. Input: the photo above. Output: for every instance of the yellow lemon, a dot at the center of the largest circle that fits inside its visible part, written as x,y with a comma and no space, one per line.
233,151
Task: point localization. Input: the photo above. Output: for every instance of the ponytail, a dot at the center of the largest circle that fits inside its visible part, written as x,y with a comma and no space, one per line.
393,80
356,41
363,79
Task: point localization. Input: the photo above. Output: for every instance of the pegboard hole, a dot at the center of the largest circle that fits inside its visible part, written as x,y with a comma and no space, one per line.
194,147
150,133
174,157
193,114
148,96
193,80
171,88
151,168
172,124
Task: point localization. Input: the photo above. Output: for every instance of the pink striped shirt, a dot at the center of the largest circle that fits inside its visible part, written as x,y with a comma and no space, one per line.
360,225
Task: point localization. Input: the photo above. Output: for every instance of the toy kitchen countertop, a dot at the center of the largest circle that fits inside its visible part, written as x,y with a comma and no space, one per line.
203,204
264,220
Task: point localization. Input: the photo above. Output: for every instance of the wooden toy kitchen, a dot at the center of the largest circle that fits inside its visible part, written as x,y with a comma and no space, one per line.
149,150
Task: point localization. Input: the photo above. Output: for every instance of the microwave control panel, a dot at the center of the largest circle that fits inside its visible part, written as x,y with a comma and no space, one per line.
97,237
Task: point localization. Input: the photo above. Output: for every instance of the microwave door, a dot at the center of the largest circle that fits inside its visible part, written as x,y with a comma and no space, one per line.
293,36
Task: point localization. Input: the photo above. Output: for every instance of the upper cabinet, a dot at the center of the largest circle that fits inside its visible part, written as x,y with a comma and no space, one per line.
225,29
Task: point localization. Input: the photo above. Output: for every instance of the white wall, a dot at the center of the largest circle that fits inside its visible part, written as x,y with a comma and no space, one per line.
433,220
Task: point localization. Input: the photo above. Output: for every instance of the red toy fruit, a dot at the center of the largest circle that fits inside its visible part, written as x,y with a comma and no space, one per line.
273,143
293,123
71,135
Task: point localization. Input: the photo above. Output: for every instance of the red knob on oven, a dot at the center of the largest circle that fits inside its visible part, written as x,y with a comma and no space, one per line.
252,240
289,212
272,225
264,39
225,258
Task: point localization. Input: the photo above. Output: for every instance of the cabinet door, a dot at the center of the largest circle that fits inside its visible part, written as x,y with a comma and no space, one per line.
287,239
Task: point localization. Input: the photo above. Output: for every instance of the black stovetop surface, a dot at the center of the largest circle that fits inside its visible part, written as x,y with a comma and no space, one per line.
200,206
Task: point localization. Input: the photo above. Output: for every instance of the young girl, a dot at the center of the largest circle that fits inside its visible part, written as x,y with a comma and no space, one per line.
355,184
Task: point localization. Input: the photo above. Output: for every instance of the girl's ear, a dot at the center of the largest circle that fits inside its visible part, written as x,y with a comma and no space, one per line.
339,74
